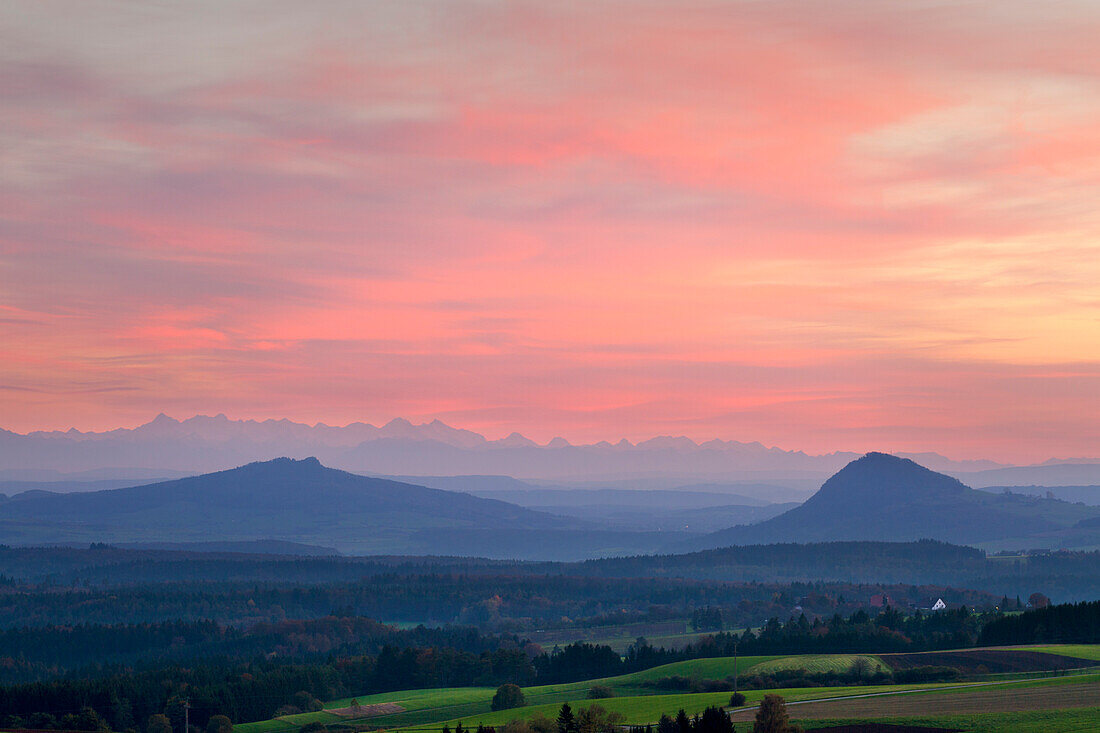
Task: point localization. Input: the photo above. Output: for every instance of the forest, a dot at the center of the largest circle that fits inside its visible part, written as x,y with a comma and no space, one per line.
1064,575
500,603
224,672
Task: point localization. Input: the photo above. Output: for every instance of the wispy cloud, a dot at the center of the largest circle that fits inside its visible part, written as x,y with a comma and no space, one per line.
823,225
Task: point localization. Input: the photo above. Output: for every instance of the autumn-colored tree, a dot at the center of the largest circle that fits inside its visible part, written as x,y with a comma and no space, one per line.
1038,600
772,717
158,724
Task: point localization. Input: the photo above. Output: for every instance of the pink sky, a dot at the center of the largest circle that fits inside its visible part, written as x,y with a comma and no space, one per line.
820,225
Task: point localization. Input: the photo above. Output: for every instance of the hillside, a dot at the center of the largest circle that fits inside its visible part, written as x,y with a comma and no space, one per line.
883,497
283,499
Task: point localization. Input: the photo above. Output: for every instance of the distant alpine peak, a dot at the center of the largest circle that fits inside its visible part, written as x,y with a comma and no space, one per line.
515,440
403,446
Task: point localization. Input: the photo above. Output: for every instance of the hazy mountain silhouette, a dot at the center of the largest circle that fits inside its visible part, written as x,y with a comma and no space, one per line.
244,547
204,443
1047,474
301,501
884,497
283,499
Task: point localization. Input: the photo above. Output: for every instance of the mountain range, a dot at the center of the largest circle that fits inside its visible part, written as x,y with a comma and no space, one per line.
876,497
166,446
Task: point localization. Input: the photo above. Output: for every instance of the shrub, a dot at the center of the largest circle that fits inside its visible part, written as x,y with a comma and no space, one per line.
542,724
219,724
306,702
508,696
597,692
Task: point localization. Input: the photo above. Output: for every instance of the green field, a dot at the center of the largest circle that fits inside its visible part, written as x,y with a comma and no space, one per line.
638,702
1081,651
675,634
817,663
642,709
427,706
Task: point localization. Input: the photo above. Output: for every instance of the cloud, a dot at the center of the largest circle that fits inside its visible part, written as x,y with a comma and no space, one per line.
826,224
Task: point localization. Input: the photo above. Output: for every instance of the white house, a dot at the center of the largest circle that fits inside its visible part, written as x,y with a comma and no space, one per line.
939,605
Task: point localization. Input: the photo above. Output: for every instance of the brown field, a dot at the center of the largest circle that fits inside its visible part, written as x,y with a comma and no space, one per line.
980,661
600,633
368,711
1002,699
880,728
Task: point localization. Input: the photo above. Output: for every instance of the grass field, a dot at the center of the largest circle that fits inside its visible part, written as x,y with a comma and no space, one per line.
629,686
639,710
426,706
669,641
1081,651
638,702
933,697
816,663
674,634
596,634
440,701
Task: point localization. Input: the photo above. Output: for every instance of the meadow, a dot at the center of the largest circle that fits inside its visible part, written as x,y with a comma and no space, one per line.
1032,702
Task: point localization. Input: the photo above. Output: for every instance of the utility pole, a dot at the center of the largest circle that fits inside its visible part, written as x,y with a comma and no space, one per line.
186,715
735,668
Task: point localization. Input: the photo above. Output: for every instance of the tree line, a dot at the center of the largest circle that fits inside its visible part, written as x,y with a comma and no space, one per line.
40,653
256,684
1070,623
499,603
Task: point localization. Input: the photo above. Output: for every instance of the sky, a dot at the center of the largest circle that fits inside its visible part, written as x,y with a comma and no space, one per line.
821,225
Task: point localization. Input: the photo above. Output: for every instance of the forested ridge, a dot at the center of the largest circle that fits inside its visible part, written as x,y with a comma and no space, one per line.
504,603
1064,575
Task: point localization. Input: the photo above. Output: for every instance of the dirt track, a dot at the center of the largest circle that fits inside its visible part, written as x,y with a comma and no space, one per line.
368,711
